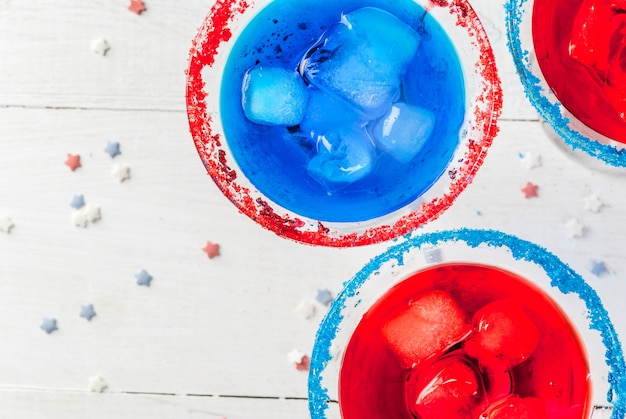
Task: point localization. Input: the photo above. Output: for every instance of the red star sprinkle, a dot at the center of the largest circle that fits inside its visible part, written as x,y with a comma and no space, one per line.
304,364
530,190
211,249
136,6
73,161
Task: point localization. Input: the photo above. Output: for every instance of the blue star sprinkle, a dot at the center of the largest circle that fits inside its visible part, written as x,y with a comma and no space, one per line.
324,296
112,149
49,325
143,278
87,311
598,267
78,201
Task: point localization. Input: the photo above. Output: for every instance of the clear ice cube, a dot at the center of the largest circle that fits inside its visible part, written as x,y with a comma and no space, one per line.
403,131
362,59
325,111
274,96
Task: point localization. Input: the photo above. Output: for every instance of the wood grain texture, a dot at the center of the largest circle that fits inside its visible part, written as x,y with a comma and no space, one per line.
210,327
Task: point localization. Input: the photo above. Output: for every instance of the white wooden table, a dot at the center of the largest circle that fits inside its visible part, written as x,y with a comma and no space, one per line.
209,338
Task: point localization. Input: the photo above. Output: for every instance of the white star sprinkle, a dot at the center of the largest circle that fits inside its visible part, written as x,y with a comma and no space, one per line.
593,203
306,309
531,160
121,172
295,356
97,384
6,224
100,46
575,228
85,215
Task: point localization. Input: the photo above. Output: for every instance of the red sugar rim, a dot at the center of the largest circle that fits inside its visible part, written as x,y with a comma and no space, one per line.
217,30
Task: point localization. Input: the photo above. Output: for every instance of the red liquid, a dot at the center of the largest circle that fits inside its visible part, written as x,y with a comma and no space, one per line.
581,50
549,378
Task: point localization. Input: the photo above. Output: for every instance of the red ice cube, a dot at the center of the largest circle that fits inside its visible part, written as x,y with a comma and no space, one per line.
431,324
515,407
504,333
596,33
448,388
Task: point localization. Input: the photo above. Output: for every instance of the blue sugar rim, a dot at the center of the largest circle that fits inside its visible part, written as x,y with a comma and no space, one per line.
551,112
561,276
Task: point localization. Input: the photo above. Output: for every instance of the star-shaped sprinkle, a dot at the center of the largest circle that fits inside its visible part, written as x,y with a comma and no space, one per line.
306,309
143,278
49,325
72,161
575,228
304,364
432,255
531,160
295,356
597,267
593,203
121,172
211,249
530,190
77,202
6,224
324,296
112,149
97,384
136,6
100,46
87,311
86,214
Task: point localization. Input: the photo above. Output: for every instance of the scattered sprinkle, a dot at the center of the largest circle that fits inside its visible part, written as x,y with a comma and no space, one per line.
530,190
593,203
112,149
432,255
304,364
87,214
6,224
121,172
301,360
100,46
575,228
136,6
211,249
49,325
598,267
324,296
87,311
72,161
97,384
77,202
143,278
306,309
531,160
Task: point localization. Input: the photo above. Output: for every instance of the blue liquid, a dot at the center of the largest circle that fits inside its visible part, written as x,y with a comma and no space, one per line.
274,159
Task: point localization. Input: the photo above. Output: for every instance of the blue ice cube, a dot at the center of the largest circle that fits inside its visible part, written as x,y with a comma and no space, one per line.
274,96
362,59
344,155
403,131
325,111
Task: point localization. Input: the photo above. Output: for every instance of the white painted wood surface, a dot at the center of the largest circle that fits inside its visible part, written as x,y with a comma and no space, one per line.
205,327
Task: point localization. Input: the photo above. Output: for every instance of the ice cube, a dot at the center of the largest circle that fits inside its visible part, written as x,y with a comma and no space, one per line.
362,59
450,387
325,111
515,407
274,96
504,333
431,324
403,131
344,155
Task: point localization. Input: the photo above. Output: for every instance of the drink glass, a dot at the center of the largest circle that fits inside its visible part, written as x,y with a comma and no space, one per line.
569,57
266,176
401,338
